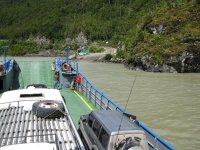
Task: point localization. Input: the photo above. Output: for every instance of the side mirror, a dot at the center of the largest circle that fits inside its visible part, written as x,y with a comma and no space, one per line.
84,119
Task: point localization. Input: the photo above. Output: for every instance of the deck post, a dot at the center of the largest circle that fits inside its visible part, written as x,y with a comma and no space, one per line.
107,107
86,88
76,68
67,52
101,100
90,93
95,97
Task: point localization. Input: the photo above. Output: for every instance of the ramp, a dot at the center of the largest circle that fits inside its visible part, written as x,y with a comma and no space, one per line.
35,72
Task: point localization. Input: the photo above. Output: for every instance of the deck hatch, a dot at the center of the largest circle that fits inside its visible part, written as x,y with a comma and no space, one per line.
20,126
31,95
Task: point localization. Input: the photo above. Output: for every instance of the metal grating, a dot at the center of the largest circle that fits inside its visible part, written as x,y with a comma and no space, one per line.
19,126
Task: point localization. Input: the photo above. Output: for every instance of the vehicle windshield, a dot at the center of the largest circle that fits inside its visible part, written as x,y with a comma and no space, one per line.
130,142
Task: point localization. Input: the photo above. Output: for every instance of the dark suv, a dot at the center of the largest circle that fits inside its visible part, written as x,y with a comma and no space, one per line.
109,129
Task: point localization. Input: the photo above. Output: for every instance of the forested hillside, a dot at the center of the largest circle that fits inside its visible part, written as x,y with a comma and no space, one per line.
156,29
58,19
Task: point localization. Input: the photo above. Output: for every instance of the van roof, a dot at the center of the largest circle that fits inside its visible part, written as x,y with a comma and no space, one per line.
111,120
26,97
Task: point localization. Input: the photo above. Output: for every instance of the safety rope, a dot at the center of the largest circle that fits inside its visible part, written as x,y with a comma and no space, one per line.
65,114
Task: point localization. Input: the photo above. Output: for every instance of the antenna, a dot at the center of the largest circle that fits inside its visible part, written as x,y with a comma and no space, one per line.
67,55
125,108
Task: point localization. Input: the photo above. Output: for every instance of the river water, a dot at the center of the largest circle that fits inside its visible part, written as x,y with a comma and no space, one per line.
169,104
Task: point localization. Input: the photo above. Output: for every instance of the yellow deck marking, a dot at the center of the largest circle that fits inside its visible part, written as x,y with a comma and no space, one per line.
83,100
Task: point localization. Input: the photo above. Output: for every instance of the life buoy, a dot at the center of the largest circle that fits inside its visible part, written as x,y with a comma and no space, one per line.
65,67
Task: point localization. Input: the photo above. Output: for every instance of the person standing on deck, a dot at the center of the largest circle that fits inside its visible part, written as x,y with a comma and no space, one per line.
56,80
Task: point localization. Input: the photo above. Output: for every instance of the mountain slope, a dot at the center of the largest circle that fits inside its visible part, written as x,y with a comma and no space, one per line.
147,33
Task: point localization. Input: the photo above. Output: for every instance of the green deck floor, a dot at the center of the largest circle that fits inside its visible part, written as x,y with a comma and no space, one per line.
36,72
40,72
75,105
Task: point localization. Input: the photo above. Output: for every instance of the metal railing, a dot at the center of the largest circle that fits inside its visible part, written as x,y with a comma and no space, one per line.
98,98
101,101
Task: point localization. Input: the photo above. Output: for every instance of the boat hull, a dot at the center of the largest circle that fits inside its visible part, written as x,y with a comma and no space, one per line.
6,81
10,79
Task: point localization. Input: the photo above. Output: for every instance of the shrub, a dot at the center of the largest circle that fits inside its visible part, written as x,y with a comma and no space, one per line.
94,49
108,57
22,48
120,54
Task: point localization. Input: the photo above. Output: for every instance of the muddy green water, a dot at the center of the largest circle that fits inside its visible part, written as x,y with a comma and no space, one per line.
169,104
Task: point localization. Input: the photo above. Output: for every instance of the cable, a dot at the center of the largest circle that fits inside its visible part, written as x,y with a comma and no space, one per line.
125,109
64,113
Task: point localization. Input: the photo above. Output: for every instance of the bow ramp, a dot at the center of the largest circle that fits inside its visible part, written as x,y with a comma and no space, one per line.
33,72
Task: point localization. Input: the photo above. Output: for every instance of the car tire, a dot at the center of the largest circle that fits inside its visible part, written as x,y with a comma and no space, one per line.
48,109
37,86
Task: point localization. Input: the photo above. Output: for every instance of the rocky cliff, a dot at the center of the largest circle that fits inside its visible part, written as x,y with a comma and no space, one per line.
168,42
